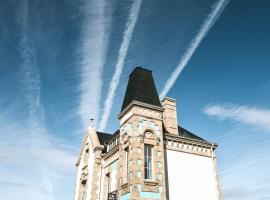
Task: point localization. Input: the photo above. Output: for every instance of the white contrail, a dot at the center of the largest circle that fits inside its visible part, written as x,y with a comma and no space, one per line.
31,82
93,48
130,25
30,68
207,24
246,164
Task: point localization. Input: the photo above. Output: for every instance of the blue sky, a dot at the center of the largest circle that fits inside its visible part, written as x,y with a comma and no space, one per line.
59,60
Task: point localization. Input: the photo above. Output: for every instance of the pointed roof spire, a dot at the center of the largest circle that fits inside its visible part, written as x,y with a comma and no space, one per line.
141,87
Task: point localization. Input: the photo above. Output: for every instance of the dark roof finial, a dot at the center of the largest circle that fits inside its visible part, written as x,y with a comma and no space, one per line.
92,122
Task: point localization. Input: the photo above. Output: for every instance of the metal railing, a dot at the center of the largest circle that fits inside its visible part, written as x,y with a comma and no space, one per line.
113,143
112,195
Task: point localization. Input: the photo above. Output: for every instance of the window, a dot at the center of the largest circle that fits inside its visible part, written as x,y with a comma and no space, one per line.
109,182
126,164
86,156
148,161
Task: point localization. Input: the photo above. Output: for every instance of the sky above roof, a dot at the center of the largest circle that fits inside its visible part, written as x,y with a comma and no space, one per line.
63,62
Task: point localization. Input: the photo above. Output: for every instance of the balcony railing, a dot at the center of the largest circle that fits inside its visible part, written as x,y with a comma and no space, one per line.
112,195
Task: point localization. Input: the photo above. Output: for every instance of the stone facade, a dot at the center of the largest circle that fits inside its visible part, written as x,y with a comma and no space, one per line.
141,125
141,160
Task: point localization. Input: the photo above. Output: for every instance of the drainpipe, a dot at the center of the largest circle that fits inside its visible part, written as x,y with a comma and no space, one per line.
215,170
212,151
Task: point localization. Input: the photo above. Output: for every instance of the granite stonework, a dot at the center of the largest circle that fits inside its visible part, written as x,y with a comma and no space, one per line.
113,166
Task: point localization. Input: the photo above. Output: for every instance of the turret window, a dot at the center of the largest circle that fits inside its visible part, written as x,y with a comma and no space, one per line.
126,165
148,161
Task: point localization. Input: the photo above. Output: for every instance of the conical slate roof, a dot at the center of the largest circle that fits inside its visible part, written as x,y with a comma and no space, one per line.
141,87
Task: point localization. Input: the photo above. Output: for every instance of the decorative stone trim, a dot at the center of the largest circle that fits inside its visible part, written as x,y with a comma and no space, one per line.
190,140
189,146
150,186
125,188
144,105
84,146
111,153
150,182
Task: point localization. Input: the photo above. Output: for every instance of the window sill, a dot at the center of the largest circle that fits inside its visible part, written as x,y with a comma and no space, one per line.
124,188
150,182
125,185
150,186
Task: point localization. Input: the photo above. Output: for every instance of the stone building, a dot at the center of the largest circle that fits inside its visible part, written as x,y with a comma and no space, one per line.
150,156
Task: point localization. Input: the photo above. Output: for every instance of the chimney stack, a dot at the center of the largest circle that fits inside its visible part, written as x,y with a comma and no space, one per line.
170,115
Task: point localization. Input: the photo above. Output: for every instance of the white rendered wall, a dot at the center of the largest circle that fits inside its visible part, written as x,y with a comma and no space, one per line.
90,173
191,177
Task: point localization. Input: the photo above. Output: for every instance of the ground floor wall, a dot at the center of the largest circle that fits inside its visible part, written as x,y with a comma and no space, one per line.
191,177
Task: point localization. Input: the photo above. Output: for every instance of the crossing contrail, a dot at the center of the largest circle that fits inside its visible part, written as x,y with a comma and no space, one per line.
211,18
30,68
31,82
130,25
92,49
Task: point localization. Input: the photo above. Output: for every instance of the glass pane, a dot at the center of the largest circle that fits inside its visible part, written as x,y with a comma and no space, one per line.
148,161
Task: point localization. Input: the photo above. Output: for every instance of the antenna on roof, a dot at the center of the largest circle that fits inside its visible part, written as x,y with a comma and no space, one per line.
92,122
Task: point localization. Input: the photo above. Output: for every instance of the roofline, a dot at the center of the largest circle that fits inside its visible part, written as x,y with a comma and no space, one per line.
139,67
169,99
82,149
196,141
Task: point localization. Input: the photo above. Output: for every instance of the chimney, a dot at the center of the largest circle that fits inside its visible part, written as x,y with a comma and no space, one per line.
170,115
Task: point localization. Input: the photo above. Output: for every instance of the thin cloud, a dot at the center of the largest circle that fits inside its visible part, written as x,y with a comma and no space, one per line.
33,166
28,149
206,26
130,25
254,161
30,68
92,51
245,165
254,116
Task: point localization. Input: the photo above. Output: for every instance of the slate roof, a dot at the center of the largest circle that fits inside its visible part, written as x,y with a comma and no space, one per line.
187,134
141,87
105,137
